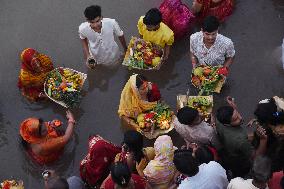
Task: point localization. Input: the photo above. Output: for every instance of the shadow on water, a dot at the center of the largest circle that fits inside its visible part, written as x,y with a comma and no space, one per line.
99,77
279,4
35,106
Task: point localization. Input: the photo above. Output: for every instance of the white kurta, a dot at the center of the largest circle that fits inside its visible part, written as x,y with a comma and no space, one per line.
102,46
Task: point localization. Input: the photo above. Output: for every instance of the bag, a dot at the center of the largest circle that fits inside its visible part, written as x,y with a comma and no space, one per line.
177,16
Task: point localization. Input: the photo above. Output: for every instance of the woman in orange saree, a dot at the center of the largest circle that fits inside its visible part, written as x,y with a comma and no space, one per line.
35,67
44,144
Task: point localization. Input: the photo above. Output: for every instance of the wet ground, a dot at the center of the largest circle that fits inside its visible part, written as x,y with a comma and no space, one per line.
50,26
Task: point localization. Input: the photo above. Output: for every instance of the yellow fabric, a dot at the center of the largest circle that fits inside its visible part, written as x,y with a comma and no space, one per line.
163,36
28,78
131,103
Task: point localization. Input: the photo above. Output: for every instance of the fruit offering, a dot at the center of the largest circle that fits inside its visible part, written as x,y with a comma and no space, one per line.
203,104
143,55
158,118
64,85
11,184
208,79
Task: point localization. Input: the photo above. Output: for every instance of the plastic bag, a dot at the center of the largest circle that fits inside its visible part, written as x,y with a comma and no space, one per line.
177,16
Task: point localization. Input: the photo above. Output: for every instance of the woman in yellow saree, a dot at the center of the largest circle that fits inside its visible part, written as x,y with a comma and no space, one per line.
35,67
138,96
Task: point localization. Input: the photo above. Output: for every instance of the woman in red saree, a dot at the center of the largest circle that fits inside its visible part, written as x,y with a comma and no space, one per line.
44,144
35,67
121,177
94,168
133,153
218,8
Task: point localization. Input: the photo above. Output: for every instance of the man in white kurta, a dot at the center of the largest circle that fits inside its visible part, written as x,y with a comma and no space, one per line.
98,37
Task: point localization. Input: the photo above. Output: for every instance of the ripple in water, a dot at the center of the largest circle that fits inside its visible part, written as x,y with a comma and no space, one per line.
3,133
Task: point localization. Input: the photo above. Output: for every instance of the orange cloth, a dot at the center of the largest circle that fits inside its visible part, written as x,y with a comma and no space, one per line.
50,150
31,82
50,146
29,130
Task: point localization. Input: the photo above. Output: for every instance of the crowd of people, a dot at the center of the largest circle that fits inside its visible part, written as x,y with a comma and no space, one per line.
217,154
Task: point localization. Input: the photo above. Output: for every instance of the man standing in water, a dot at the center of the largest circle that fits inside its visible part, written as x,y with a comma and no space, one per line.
209,47
97,36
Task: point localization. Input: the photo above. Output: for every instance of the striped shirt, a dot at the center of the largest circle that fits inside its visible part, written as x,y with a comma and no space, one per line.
222,48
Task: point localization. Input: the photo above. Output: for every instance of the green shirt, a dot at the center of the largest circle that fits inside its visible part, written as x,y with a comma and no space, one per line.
236,150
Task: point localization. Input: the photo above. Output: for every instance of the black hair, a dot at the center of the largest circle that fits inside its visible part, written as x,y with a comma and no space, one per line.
282,183
24,143
203,154
185,163
93,12
140,79
57,183
153,17
120,174
266,113
210,24
134,143
40,120
224,114
187,115
261,169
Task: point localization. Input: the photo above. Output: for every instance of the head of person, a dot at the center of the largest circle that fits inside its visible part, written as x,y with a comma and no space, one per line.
188,116
142,84
29,58
229,115
133,142
164,148
203,154
152,19
120,174
266,113
32,130
261,169
186,163
56,183
93,15
209,29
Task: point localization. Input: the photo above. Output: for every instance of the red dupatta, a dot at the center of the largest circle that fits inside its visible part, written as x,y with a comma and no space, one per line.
136,180
95,166
220,10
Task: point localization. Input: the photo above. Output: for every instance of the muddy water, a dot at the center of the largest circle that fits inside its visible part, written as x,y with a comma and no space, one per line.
51,27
